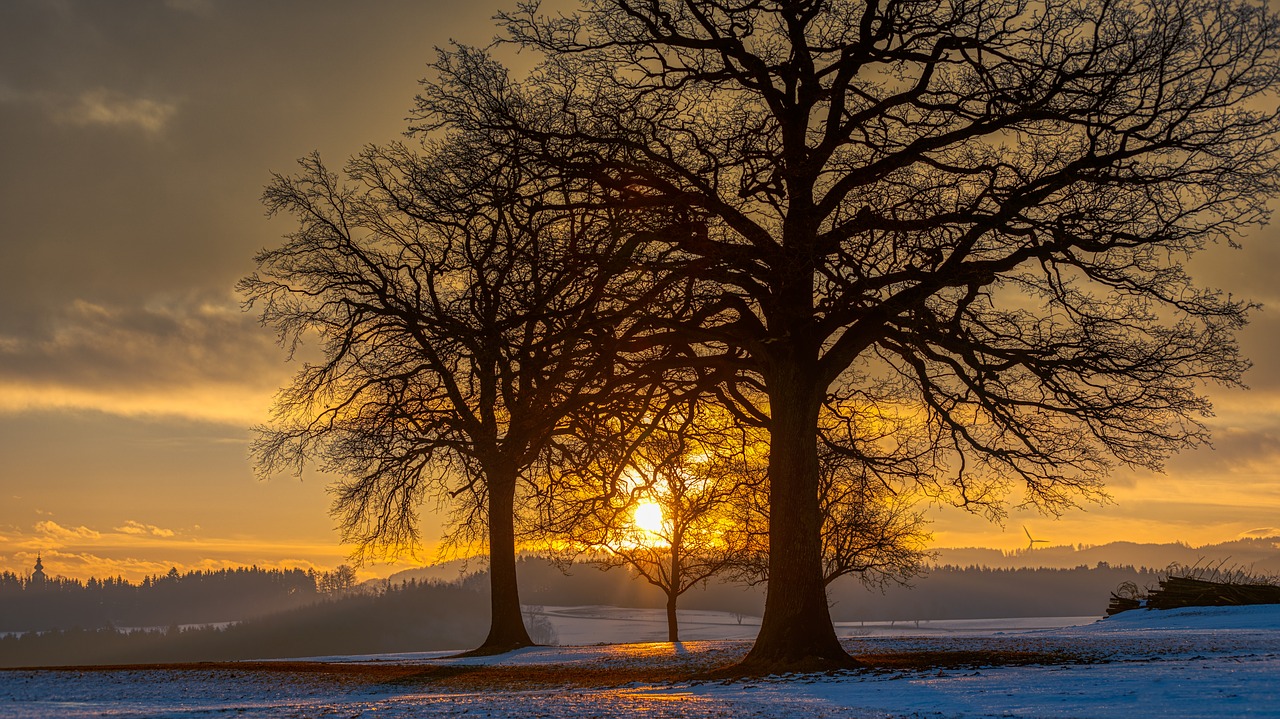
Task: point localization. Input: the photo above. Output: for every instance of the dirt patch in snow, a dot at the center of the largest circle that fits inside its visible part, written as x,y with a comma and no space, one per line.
432,676
969,659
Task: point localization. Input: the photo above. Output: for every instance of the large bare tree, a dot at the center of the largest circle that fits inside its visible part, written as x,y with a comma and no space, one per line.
462,325
989,200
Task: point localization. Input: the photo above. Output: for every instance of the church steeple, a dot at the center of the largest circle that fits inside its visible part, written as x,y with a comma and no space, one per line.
37,577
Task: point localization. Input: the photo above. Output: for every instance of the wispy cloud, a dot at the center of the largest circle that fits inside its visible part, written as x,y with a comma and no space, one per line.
114,109
136,548
138,528
52,530
99,106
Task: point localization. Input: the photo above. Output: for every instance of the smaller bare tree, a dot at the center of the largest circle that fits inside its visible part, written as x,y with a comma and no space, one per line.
668,517
868,530
871,529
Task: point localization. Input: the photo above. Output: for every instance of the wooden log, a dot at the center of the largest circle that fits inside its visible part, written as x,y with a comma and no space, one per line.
1177,592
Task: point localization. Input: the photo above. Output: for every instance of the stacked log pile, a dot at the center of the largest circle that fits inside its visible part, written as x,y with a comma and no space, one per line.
1177,592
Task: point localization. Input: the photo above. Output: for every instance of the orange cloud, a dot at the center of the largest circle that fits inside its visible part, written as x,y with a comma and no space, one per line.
134,549
53,530
138,528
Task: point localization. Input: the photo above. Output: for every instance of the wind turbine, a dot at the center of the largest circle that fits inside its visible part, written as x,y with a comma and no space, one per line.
1031,541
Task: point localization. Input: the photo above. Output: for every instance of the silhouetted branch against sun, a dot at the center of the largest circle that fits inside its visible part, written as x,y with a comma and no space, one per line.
676,515
989,201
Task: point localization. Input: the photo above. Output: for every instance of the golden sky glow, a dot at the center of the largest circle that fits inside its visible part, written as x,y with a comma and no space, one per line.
137,139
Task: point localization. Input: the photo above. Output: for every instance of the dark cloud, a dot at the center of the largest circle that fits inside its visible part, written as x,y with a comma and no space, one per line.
158,346
138,136
1237,449
137,139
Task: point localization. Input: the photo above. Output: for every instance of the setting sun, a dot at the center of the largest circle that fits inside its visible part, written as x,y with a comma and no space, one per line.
648,516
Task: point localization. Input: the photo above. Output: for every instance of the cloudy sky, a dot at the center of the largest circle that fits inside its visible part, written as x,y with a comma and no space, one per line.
135,139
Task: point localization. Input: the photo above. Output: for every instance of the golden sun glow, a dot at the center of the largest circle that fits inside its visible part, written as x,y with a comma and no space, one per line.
648,516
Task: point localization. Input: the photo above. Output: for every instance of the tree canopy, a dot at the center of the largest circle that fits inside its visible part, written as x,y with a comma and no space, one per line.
984,205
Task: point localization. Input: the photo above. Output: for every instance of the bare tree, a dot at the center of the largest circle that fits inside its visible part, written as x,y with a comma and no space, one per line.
870,530
670,518
461,324
989,201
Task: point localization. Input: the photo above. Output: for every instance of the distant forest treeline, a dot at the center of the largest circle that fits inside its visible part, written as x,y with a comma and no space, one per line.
235,595
208,597
410,617
943,593
285,613
983,592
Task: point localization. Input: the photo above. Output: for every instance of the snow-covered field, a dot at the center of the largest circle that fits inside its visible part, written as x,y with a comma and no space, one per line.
617,625
1209,662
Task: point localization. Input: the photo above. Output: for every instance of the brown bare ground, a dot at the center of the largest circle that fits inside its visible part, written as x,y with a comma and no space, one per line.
479,678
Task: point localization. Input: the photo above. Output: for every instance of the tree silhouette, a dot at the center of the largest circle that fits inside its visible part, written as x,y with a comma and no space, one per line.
989,202
689,473
870,529
462,324
341,579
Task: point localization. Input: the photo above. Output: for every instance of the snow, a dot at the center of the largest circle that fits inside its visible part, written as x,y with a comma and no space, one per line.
1198,662
617,625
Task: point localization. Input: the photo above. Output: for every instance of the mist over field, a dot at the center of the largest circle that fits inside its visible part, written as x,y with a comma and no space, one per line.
255,613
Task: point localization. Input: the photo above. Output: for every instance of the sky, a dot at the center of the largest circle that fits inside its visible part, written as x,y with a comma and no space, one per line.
135,140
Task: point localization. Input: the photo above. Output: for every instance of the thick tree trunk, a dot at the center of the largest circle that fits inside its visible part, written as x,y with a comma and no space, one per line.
506,623
796,633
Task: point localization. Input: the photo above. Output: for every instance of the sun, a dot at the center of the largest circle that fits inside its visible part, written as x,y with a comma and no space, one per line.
648,516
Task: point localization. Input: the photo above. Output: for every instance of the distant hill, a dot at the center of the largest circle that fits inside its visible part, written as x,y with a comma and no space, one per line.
944,593
450,571
1258,555
987,593
965,583
405,618
446,606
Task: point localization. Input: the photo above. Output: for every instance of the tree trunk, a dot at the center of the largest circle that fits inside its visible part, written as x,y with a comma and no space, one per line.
796,633
506,622
673,591
673,624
